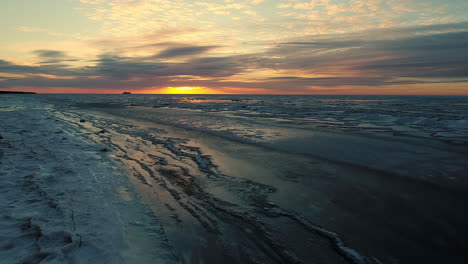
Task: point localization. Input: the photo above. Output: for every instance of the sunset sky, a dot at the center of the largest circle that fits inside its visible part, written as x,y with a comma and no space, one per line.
242,47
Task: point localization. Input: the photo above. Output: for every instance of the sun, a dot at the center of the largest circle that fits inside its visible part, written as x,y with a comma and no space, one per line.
188,90
184,90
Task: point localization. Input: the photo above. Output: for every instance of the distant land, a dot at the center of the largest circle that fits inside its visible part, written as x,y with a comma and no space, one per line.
15,92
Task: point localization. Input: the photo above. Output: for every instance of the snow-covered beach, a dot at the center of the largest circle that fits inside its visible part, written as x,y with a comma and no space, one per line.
233,179
62,199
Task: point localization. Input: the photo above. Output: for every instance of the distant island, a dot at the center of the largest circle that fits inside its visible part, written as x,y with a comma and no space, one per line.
15,92
126,93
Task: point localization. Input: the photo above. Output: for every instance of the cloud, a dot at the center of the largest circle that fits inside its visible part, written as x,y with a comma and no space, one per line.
92,2
49,53
8,67
397,56
31,29
441,55
184,51
256,2
53,56
326,44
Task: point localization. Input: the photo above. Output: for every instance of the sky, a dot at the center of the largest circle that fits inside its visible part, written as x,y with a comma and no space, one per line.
235,47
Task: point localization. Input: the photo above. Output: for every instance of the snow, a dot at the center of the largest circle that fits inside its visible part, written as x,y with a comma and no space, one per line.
58,195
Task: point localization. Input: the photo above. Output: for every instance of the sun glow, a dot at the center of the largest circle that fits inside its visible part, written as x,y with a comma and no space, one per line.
188,90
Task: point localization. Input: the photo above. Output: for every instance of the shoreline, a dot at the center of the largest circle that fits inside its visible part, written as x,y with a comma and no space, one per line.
181,194
246,164
16,92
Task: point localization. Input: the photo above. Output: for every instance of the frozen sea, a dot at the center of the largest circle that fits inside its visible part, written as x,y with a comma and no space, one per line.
233,179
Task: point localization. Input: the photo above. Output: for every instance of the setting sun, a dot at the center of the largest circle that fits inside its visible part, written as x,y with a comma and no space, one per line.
188,90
